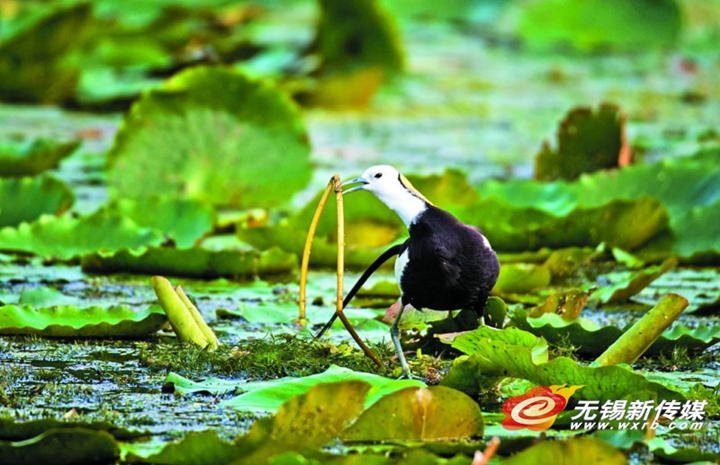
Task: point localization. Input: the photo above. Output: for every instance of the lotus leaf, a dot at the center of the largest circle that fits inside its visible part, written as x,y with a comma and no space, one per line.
25,199
13,430
592,340
598,24
304,422
211,134
419,414
195,262
66,237
33,157
688,187
618,223
573,450
183,220
512,353
70,321
623,289
64,446
587,141
357,33
267,396
30,68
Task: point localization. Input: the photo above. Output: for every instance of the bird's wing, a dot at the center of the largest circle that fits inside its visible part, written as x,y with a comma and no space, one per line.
448,263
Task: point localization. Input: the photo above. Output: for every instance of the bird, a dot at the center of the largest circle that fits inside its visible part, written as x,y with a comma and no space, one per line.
443,265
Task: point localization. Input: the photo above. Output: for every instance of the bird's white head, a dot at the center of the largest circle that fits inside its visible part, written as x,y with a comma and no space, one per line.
393,189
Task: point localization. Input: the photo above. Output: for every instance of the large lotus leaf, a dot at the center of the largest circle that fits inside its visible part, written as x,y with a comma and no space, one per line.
63,447
194,262
688,187
592,340
13,430
572,450
71,321
357,33
509,353
304,422
215,135
196,448
33,157
419,414
598,24
308,421
183,220
618,223
66,237
679,183
267,396
25,199
587,141
521,278
30,68
695,237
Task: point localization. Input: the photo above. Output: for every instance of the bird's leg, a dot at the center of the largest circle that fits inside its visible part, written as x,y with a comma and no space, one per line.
395,336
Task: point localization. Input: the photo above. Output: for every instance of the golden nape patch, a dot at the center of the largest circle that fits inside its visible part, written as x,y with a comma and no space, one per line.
407,185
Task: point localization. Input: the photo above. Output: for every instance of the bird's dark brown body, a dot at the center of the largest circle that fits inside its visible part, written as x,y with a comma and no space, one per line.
445,264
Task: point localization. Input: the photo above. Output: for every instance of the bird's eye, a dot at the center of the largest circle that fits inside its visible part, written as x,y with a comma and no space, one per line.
378,175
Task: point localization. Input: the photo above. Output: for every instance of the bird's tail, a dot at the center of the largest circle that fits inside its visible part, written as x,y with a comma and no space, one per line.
394,250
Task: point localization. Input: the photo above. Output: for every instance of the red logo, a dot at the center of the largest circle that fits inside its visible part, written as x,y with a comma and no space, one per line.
537,408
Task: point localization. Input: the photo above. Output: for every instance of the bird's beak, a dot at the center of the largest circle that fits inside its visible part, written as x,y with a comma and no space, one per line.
361,181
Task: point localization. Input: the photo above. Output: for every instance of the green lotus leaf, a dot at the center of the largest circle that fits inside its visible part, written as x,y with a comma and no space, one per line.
587,141
512,353
688,187
572,450
599,24
66,237
268,396
30,60
33,157
194,262
307,421
183,220
196,448
211,134
286,313
357,33
64,446
618,223
522,278
592,340
71,321
419,414
14,430
25,199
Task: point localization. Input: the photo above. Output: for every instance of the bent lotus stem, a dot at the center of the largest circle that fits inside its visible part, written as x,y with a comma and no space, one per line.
197,316
308,249
180,317
636,340
333,184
